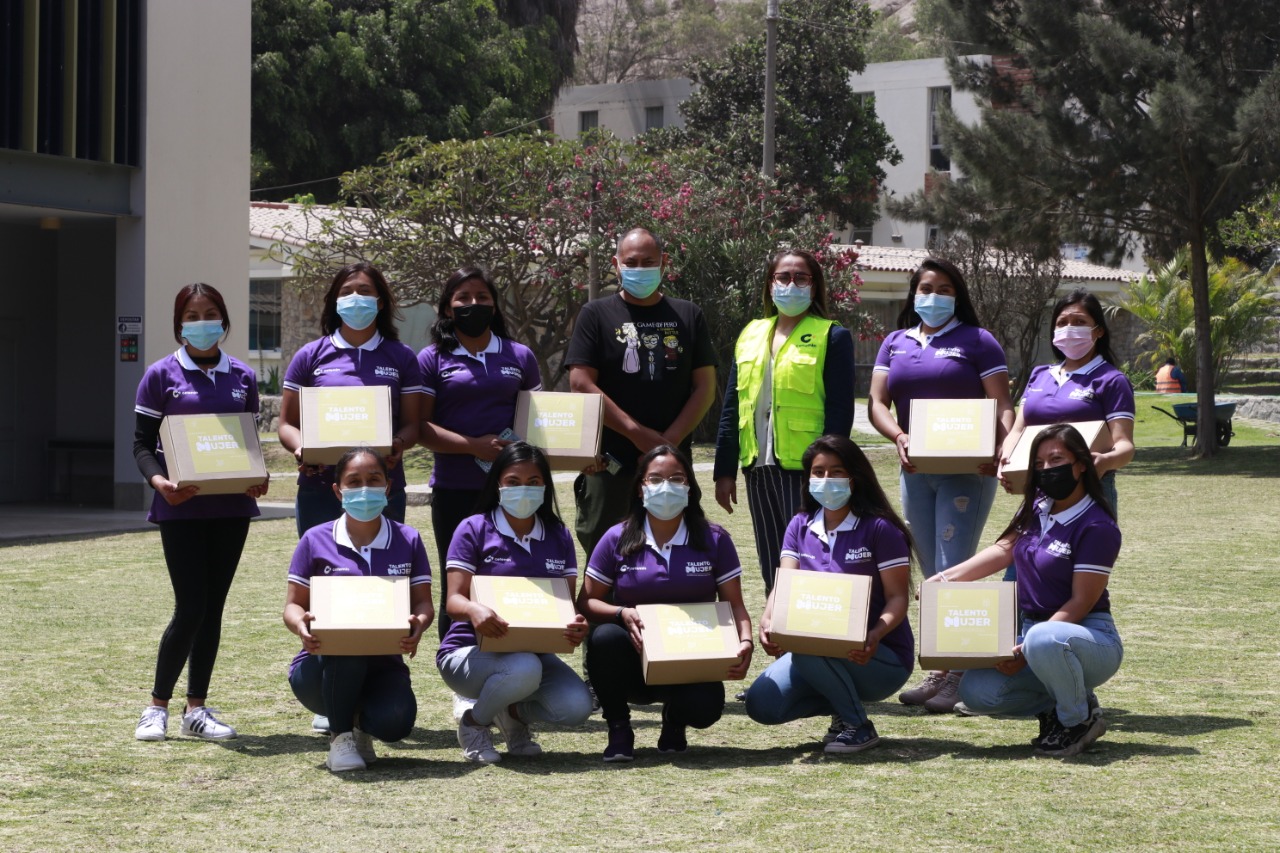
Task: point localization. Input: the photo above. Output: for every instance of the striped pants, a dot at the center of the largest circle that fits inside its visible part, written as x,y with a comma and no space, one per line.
774,496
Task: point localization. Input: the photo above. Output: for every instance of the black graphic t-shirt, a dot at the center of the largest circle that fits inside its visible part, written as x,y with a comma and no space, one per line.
645,356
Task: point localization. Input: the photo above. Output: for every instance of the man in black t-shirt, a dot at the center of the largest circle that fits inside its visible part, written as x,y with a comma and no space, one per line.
652,358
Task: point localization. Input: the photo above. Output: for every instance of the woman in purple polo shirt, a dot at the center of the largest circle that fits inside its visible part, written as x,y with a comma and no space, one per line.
664,552
846,526
363,696
360,347
1064,542
471,373
202,535
939,352
516,533
1085,386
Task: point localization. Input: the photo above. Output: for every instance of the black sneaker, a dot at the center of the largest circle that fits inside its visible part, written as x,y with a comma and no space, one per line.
1048,722
622,742
1063,742
854,739
672,737
833,730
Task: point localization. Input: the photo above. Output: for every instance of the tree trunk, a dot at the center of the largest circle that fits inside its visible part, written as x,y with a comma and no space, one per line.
1206,380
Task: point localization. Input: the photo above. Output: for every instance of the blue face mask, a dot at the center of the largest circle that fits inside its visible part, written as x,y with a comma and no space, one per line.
935,309
792,300
521,501
831,492
640,282
666,500
358,311
203,335
365,503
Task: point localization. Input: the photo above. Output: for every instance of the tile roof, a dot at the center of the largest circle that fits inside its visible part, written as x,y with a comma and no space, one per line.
899,259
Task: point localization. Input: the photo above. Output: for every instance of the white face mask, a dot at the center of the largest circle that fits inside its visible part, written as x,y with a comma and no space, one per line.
667,499
1074,341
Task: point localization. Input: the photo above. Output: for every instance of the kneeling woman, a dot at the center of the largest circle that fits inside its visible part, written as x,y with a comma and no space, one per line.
1063,543
847,527
664,552
517,533
364,697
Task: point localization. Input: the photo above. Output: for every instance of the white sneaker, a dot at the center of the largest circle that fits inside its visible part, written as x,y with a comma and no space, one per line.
461,705
517,735
476,741
154,724
364,746
344,754
320,724
201,722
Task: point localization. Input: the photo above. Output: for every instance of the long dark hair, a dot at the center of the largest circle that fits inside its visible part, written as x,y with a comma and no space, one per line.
818,307
353,453
695,520
388,314
1080,296
442,330
516,453
965,312
1025,517
866,497
191,291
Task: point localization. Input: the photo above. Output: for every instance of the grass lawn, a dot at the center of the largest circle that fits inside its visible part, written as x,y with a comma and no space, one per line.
1189,761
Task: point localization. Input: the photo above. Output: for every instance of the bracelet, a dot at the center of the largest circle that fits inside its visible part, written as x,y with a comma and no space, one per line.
617,617
748,640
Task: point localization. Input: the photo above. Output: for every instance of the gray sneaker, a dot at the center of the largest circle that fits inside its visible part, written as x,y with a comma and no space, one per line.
944,701
517,735
476,741
344,755
924,691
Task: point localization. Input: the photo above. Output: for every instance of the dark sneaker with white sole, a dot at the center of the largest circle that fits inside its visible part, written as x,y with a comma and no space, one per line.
854,739
1064,742
833,730
622,743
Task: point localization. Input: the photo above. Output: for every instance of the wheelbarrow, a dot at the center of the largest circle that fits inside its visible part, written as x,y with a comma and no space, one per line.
1185,414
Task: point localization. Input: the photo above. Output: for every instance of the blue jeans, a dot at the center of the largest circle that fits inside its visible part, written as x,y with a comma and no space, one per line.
341,687
947,513
316,506
1065,661
798,686
543,688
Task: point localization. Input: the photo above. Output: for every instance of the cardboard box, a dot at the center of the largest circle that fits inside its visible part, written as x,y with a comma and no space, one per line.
218,453
359,615
820,613
336,419
536,611
566,427
967,625
1017,472
688,643
952,436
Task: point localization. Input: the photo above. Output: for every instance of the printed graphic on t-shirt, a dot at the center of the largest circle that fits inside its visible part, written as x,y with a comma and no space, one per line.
651,348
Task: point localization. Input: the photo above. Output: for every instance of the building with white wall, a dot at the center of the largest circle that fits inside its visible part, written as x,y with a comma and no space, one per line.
625,109
124,175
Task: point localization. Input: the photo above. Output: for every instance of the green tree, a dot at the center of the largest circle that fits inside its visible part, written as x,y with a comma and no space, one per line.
337,82
1254,230
828,140
1123,121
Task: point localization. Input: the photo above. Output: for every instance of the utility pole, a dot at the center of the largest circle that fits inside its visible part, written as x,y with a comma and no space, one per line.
770,75
593,265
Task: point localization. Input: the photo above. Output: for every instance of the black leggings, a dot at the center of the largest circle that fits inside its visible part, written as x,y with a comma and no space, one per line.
618,679
202,555
449,507
341,688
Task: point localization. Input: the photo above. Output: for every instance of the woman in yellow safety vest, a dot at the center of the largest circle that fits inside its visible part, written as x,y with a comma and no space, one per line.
791,381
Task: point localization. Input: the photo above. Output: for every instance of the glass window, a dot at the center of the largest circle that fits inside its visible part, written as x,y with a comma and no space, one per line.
938,158
264,314
588,120
653,117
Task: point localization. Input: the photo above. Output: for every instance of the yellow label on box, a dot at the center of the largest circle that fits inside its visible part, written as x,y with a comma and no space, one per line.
216,444
362,607
526,600
819,603
348,415
556,424
685,632
968,620
954,426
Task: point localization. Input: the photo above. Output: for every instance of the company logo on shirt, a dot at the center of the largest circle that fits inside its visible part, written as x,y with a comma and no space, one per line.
555,567
238,394
1082,394
513,372
948,352
624,569
858,555
1059,548
494,559
178,392
697,567
320,371
449,371
390,372
399,568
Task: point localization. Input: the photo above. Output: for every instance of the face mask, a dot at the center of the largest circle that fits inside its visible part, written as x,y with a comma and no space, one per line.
1057,482
358,311
791,300
640,282
203,335
935,309
365,503
1074,341
831,492
472,320
521,501
666,500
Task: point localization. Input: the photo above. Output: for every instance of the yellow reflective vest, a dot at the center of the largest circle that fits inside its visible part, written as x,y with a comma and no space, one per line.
799,396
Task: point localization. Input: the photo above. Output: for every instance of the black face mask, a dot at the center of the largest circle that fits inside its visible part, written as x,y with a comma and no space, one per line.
1057,482
473,319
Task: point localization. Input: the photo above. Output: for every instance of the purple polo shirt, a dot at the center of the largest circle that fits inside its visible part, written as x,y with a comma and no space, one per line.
1082,538
948,365
485,544
174,385
475,395
330,362
676,573
1098,391
326,549
861,546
